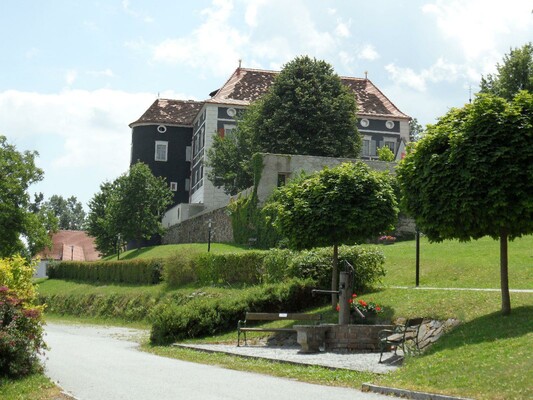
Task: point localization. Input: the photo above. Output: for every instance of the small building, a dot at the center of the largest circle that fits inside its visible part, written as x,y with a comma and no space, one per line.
67,245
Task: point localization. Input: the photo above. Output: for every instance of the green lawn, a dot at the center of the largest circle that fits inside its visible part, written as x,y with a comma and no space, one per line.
171,249
473,264
34,387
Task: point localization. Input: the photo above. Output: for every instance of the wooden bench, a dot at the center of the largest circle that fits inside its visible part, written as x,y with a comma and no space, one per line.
253,316
404,336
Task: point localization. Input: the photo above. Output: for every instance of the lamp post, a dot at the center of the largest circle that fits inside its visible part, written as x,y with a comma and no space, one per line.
118,246
71,253
417,278
209,226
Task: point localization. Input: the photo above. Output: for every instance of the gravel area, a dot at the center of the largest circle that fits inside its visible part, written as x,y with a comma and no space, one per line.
356,362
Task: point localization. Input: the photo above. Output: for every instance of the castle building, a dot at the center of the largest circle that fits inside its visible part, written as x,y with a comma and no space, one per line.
172,137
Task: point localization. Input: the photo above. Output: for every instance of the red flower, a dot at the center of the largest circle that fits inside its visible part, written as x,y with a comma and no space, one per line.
354,296
338,308
363,303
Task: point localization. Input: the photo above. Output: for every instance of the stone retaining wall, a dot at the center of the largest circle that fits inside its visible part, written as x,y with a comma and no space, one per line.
195,230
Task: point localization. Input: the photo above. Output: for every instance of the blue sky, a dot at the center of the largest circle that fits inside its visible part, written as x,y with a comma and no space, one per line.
74,74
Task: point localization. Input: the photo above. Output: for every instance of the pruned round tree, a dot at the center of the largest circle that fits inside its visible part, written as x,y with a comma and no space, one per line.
343,205
472,175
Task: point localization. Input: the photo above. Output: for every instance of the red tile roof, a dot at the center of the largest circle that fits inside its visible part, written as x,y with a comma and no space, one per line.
246,85
167,111
71,245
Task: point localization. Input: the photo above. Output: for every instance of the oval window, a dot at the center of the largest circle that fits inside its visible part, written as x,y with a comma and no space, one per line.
389,124
161,128
365,122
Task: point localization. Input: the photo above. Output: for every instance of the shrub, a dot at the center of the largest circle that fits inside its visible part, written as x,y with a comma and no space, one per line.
230,268
316,264
180,269
143,272
212,313
21,332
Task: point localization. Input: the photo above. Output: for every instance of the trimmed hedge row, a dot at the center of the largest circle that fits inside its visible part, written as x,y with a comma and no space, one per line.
205,315
275,265
144,272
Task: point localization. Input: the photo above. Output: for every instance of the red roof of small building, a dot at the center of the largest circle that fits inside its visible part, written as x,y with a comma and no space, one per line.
71,245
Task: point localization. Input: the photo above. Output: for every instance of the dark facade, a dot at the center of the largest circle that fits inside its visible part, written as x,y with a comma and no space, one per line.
167,151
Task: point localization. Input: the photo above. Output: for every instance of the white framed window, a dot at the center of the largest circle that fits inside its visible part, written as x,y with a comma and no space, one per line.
228,129
390,144
161,150
161,128
366,147
188,152
187,184
174,186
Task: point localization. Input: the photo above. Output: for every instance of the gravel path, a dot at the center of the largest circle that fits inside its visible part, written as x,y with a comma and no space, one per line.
356,362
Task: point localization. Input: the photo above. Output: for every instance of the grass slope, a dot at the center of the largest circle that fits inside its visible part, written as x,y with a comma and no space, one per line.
169,250
487,357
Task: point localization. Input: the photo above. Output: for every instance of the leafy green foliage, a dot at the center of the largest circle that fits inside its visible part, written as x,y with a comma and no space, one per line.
307,110
21,332
206,315
131,271
515,74
17,216
472,175
341,205
385,154
131,206
315,264
69,212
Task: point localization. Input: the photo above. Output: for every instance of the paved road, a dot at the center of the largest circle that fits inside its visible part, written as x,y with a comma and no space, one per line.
95,363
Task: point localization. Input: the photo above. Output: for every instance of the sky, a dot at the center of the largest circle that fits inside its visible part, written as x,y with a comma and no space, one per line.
75,74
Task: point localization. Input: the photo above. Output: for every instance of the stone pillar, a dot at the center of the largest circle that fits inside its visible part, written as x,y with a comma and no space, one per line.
345,294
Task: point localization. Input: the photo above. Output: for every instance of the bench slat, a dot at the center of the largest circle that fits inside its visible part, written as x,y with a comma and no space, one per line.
280,316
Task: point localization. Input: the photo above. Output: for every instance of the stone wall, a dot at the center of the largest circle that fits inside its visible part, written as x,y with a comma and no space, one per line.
196,230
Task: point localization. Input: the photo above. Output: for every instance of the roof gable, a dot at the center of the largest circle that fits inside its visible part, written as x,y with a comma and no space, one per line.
246,85
168,111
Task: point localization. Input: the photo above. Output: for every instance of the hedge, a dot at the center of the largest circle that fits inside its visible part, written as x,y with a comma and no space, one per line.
205,315
135,271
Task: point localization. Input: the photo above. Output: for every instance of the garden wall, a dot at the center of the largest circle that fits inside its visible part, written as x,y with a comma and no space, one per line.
196,230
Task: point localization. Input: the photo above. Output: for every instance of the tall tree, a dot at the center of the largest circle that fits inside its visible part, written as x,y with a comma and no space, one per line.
515,74
69,212
415,130
307,111
18,217
131,206
139,203
342,205
472,175
100,222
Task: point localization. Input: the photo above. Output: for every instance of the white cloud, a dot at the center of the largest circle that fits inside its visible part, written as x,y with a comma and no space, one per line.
368,52
214,46
440,71
75,131
343,29
70,76
126,7
106,73
252,10
480,26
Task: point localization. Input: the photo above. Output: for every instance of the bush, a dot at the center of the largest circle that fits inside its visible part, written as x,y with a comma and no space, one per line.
129,307
21,332
142,272
230,268
210,314
316,264
180,269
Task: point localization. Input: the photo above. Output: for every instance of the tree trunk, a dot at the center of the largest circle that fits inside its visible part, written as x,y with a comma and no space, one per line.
335,277
504,272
